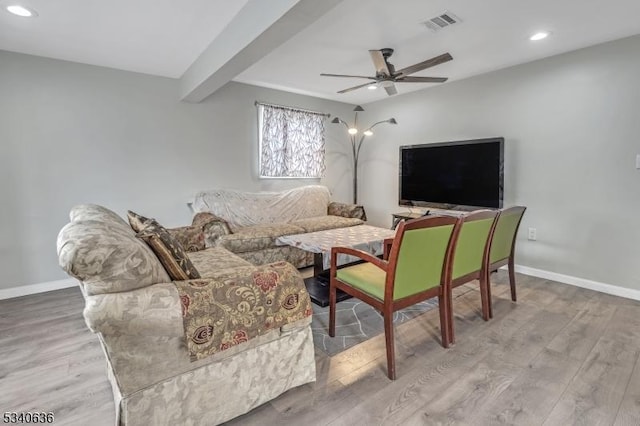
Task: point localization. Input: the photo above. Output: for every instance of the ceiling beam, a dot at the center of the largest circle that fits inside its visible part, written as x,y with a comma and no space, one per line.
260,27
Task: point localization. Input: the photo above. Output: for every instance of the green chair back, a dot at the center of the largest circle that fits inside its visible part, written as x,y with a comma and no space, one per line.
472,241
505,233
421,259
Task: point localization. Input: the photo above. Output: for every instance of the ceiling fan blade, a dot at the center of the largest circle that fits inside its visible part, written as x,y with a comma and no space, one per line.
391,89
421,80
379,62
345,75
446,57
354,88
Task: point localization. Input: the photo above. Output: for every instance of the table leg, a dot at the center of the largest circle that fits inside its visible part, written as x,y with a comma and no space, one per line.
318,285
318,265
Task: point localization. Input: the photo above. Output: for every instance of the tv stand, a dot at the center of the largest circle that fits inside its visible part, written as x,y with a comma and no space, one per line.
398,217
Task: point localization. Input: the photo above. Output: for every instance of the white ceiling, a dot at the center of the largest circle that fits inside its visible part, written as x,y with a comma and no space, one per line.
494,35
159,37
164,37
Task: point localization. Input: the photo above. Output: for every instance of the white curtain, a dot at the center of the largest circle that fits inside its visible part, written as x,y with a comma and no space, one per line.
292,142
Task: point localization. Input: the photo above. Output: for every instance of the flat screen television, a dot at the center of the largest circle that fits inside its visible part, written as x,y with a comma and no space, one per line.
462,175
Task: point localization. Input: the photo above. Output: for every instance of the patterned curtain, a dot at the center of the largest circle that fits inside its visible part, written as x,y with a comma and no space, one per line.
292,143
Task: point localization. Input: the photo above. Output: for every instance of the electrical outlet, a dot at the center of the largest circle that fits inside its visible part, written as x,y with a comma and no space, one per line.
532,234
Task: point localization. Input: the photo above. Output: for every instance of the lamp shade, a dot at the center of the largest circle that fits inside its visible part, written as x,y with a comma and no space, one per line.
358,108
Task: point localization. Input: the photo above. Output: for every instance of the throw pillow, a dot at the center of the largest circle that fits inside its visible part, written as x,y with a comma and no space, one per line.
191,237
136,221
169,250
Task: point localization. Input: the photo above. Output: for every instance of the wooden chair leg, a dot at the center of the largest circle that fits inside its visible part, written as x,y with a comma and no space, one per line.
332,308
449,305
388,335
512,278
484,295
444,321
489,297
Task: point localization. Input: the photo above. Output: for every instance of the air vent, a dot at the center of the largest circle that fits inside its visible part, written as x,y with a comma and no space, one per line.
441,21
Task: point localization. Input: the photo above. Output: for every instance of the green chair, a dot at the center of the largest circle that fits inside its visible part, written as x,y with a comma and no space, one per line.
418,268
470,257
503,246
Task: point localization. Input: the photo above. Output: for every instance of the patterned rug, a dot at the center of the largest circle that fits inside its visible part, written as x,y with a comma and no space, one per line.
356,322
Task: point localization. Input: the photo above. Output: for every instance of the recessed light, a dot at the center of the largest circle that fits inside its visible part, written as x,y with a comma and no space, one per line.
372,87
539,36
22,11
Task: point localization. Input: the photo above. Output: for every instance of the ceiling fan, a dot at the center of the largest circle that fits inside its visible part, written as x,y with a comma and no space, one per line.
387,75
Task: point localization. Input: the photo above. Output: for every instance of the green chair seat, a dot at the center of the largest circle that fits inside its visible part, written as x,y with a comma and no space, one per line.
366,277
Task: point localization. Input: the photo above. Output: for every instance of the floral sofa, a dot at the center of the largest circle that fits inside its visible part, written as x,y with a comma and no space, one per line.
249,224
139,316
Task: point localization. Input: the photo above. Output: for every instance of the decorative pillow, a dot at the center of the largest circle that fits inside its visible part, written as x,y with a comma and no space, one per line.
136,221
169,250
190,237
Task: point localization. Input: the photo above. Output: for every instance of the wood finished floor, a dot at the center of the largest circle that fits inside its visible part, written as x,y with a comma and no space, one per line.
561,355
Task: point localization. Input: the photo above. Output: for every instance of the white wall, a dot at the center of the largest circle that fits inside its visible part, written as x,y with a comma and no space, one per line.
572,130
72,133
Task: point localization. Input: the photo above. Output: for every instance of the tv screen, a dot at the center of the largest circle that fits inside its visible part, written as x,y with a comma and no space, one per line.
453,175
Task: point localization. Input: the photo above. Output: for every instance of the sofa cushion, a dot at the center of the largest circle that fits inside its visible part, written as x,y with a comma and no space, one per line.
257,237
295,256
216,261
322,223
169,250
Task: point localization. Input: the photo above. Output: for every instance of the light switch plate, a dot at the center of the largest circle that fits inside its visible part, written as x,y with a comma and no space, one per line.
638,161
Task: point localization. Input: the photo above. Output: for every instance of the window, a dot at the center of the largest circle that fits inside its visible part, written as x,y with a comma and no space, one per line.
291,142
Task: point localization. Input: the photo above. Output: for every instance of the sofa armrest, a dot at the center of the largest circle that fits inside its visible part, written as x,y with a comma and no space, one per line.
347,210
149,311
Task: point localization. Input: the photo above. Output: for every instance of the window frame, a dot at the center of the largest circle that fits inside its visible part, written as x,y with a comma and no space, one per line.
260,112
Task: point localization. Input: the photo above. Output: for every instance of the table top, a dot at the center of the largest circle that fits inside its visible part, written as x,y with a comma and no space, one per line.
323,241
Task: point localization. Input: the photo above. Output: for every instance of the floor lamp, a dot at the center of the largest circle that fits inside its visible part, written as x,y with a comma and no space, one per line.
356,143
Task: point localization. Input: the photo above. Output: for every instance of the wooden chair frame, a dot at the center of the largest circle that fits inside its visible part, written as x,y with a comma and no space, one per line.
509,261
482,274
388,306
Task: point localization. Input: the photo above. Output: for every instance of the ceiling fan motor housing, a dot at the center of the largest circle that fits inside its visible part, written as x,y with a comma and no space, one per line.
386,52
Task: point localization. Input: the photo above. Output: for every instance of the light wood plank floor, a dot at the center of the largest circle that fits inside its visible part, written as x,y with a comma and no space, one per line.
561,355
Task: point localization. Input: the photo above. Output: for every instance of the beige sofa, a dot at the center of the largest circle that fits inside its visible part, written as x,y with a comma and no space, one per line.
136,311
249,224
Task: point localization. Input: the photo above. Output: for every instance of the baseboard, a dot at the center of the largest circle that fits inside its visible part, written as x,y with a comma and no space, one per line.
580,282
25,290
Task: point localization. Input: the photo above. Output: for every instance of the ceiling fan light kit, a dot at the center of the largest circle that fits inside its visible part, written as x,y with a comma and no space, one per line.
387,75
